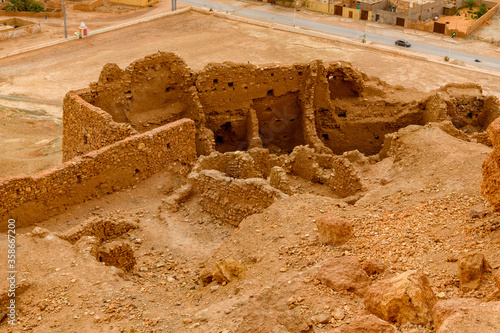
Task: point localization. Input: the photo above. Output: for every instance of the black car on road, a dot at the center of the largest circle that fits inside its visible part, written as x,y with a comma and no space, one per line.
402,42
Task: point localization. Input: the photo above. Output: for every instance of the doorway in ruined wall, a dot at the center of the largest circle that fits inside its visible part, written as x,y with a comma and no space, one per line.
280,122
231,135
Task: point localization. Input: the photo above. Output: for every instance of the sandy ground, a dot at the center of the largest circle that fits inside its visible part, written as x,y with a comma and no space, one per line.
47,74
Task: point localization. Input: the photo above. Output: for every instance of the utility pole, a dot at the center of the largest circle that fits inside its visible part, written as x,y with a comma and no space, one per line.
174,5
64,14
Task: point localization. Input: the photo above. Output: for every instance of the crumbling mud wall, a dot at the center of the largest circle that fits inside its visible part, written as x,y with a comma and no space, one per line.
29,199
231,199
148,93
334,171
248,106
87,127
490,185
255,163
234,185
236,107
100,228
118,254
364,133
471,112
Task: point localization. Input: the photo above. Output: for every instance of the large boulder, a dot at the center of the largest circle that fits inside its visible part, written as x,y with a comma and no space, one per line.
444,309
223,271
484,318
407,297
368,324
343,273
470,270
333,230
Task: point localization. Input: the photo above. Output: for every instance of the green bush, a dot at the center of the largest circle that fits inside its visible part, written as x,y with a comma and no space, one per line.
481,10
470,3
24,6
36,7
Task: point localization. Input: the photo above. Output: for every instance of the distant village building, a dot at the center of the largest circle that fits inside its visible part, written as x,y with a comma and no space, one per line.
415,14
400,12
395,12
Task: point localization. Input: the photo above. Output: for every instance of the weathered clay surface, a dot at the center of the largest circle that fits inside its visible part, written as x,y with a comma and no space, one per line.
484,318
445,309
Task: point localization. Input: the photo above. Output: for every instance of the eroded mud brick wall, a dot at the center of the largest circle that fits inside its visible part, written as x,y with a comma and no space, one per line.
86,127
234,95
332,108
490,185
231,199
255,163
151,91
103,171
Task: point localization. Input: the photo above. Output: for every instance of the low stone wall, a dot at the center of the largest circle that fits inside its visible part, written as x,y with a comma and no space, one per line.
87,127
485,17
88,6
139,3
346,181
24,28
54,4
255,163
30,199
232,200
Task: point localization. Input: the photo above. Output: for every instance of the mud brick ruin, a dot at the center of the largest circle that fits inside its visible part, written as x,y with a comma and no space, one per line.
252,129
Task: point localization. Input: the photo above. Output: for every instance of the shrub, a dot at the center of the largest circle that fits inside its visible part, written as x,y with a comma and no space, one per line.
24,6
481,10
470,3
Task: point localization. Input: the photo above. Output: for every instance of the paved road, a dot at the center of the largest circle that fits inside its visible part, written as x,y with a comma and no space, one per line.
29,100
490,63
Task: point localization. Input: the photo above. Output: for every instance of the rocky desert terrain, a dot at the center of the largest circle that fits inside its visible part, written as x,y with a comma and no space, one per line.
379,213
